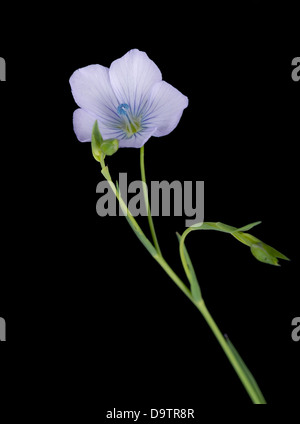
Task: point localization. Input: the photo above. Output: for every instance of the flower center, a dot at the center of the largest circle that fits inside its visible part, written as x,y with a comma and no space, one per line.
130,124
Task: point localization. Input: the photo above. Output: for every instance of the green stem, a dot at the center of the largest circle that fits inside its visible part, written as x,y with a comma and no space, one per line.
234,362
215,329
145,190
200,304
174,277
219,336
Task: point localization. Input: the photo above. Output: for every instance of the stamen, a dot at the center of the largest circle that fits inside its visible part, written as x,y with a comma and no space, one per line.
130,124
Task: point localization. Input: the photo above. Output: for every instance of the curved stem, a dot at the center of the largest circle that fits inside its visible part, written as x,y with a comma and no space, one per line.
188,267
243,373
146,197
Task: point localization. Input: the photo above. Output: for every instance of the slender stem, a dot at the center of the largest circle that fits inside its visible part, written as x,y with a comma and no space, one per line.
215,329
200,305
174,277
146,197
158,257
213,326
219,336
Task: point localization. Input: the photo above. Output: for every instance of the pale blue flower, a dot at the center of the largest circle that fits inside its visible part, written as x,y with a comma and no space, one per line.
129,100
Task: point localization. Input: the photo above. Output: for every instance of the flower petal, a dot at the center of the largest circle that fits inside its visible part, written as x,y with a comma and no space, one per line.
83,124
138,139
164,108
132,76
92,91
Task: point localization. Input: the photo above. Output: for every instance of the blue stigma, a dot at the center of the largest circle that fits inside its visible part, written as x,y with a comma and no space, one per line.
122,109
129,123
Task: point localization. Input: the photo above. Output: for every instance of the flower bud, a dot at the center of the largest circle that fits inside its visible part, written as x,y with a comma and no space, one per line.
110,146
96,142
261,252
100,147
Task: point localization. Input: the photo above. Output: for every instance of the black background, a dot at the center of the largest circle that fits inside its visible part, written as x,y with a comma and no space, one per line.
85,303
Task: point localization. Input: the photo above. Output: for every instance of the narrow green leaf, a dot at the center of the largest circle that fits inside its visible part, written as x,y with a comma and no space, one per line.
246,370
245,238
230,229
190,272
275,252
219,226
249,226
204,226
225,228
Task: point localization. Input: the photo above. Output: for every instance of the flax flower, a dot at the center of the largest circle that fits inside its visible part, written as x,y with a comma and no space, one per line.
129,100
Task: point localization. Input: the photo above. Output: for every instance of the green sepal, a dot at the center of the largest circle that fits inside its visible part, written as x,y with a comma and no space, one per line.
264,253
